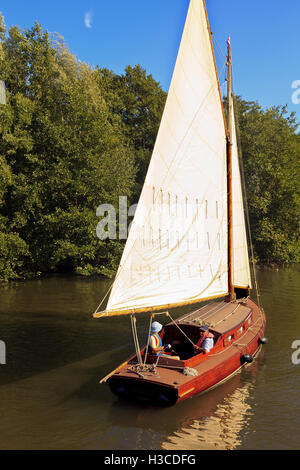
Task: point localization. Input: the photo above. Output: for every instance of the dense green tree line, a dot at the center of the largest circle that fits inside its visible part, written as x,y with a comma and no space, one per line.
270,158
74,137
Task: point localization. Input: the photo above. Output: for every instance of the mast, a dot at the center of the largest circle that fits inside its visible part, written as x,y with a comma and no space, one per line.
229,175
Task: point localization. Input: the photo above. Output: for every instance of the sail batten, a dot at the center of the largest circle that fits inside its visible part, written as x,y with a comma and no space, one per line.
176,253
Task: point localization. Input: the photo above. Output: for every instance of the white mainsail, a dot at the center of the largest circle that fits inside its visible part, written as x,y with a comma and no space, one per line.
176,252
241,269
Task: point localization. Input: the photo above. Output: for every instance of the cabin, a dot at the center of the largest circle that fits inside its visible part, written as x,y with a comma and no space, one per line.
227,322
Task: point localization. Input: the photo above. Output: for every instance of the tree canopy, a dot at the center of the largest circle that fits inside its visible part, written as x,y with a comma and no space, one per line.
270,147
74,137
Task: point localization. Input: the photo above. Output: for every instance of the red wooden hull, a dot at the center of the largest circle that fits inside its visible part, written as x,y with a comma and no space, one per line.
237,335
219,373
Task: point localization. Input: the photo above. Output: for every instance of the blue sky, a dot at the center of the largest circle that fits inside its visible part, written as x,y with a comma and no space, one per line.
265,36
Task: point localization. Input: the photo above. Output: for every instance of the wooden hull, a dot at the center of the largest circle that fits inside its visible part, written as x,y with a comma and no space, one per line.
168,383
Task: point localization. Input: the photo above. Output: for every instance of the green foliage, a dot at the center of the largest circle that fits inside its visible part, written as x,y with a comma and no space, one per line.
136,100
73,137
13,255
271,151
61,157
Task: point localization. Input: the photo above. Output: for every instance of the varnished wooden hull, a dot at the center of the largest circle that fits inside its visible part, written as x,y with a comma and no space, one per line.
169,385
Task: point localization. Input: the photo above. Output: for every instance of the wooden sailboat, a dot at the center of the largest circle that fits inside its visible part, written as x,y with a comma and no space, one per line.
188,241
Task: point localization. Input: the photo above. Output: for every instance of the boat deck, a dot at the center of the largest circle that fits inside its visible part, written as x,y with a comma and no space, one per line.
222,317
219,316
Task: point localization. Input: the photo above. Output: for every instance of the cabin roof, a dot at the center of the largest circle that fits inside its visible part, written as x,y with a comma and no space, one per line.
219,316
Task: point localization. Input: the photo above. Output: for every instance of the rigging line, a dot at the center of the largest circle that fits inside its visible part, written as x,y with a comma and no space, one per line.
213,312
176,324
231,313
148,341
224,56
108,291
208,314
245,200
135,339
192,313
218,46
246,207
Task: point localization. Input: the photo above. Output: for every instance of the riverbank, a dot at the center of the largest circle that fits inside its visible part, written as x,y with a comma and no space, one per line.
39,275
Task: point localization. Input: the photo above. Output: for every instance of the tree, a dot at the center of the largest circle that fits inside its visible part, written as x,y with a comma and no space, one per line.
73,137
64,155
271,150
138,100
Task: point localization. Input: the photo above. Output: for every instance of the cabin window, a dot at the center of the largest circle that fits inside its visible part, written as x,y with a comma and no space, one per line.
153,195
240,331
228,340
206,209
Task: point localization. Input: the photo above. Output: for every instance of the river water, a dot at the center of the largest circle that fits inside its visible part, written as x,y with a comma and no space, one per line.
55,354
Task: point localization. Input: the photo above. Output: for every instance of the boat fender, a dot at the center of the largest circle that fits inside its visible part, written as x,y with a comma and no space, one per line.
190,371
263,340
247,358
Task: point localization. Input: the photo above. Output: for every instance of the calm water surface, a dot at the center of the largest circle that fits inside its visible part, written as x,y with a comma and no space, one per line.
50,397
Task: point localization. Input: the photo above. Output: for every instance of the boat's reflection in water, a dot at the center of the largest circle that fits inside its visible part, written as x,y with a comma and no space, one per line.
219,431
221,416
216,420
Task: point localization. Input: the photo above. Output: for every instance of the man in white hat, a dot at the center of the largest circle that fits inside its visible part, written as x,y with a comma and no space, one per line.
155,342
